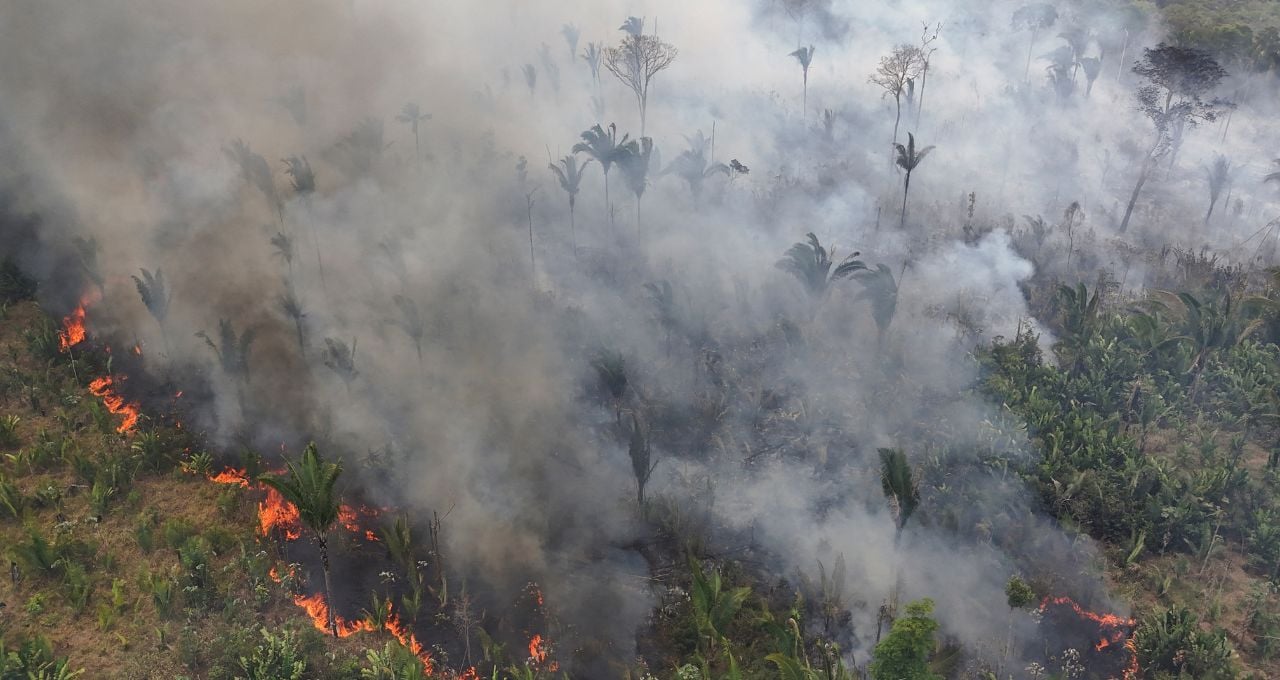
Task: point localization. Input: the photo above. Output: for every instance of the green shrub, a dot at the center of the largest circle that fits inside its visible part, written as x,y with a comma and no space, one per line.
177,531
277,658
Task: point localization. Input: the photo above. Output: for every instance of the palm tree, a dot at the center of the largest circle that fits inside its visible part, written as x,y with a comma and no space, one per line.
411,115
641,454
156,296
292,308
341,359
812,265
1211,327
1080,313
611,369
571,33
804,55
592,54
899,485
569,173
232,352
881,289
635,160
1219,176
908,159
255,171
606,149
300,175
692,166
1092,68
530,77
283,244
309,486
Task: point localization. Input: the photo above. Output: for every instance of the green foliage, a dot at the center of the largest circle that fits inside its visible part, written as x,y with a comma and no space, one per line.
310,486
904,653
1018,593
899,485
392,662
9,431
276,658
714,606
14,284
1172,642
176,531
34,660
11,498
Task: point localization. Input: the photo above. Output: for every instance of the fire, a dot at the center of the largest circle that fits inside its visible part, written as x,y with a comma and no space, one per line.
537,650
73,332
469,674
274,512
231,476
104,387
137,350
1112,630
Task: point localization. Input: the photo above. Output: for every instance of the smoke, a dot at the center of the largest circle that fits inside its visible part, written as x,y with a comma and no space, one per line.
115,119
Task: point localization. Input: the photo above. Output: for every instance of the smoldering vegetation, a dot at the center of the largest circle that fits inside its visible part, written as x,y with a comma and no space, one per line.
384,227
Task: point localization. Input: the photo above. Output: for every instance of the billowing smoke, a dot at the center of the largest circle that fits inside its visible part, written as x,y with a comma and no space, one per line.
420,302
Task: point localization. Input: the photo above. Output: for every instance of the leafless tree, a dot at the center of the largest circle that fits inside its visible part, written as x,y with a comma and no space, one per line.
904,63
635,61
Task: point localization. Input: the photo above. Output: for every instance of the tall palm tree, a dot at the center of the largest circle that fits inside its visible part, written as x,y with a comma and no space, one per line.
692,165
611,370
411,115
341,359
908,159
592,54
899,485
283,244
571,33
1219,176
641,454
813,266
804,55
1211,327
569,173
309,486
635,159
292,308
255,171
156,296
606,149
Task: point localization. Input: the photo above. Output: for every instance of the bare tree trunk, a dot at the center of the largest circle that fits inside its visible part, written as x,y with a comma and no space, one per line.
328,586
1212,203
924,79
1026,72
1137,189
573,230
906,187
804,100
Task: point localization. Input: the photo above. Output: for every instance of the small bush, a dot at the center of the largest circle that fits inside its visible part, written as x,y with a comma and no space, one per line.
277,658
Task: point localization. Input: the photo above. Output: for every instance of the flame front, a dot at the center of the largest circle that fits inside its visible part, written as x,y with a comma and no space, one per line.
1112,630
274,512
104,387
72,332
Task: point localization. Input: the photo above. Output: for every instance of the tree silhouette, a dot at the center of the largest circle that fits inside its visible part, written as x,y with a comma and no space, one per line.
1177,79
156,296
231,350
87,250
804,55
896,69
359,152
530,77
692,166
549,67
908,158
255,171
1035,18
635,61
1219,176
571,34
642,463
292,308
880,288
309,485
611,370
899,485
926,55
283,245
814,267
633,26
412,115
592,54
341,359
301,178
569,174
635,161
606,149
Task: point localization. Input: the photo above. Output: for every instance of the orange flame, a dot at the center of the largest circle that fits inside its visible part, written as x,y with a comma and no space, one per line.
231,476
73,332
274,512
1112,629
469,674
537,650
103,387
